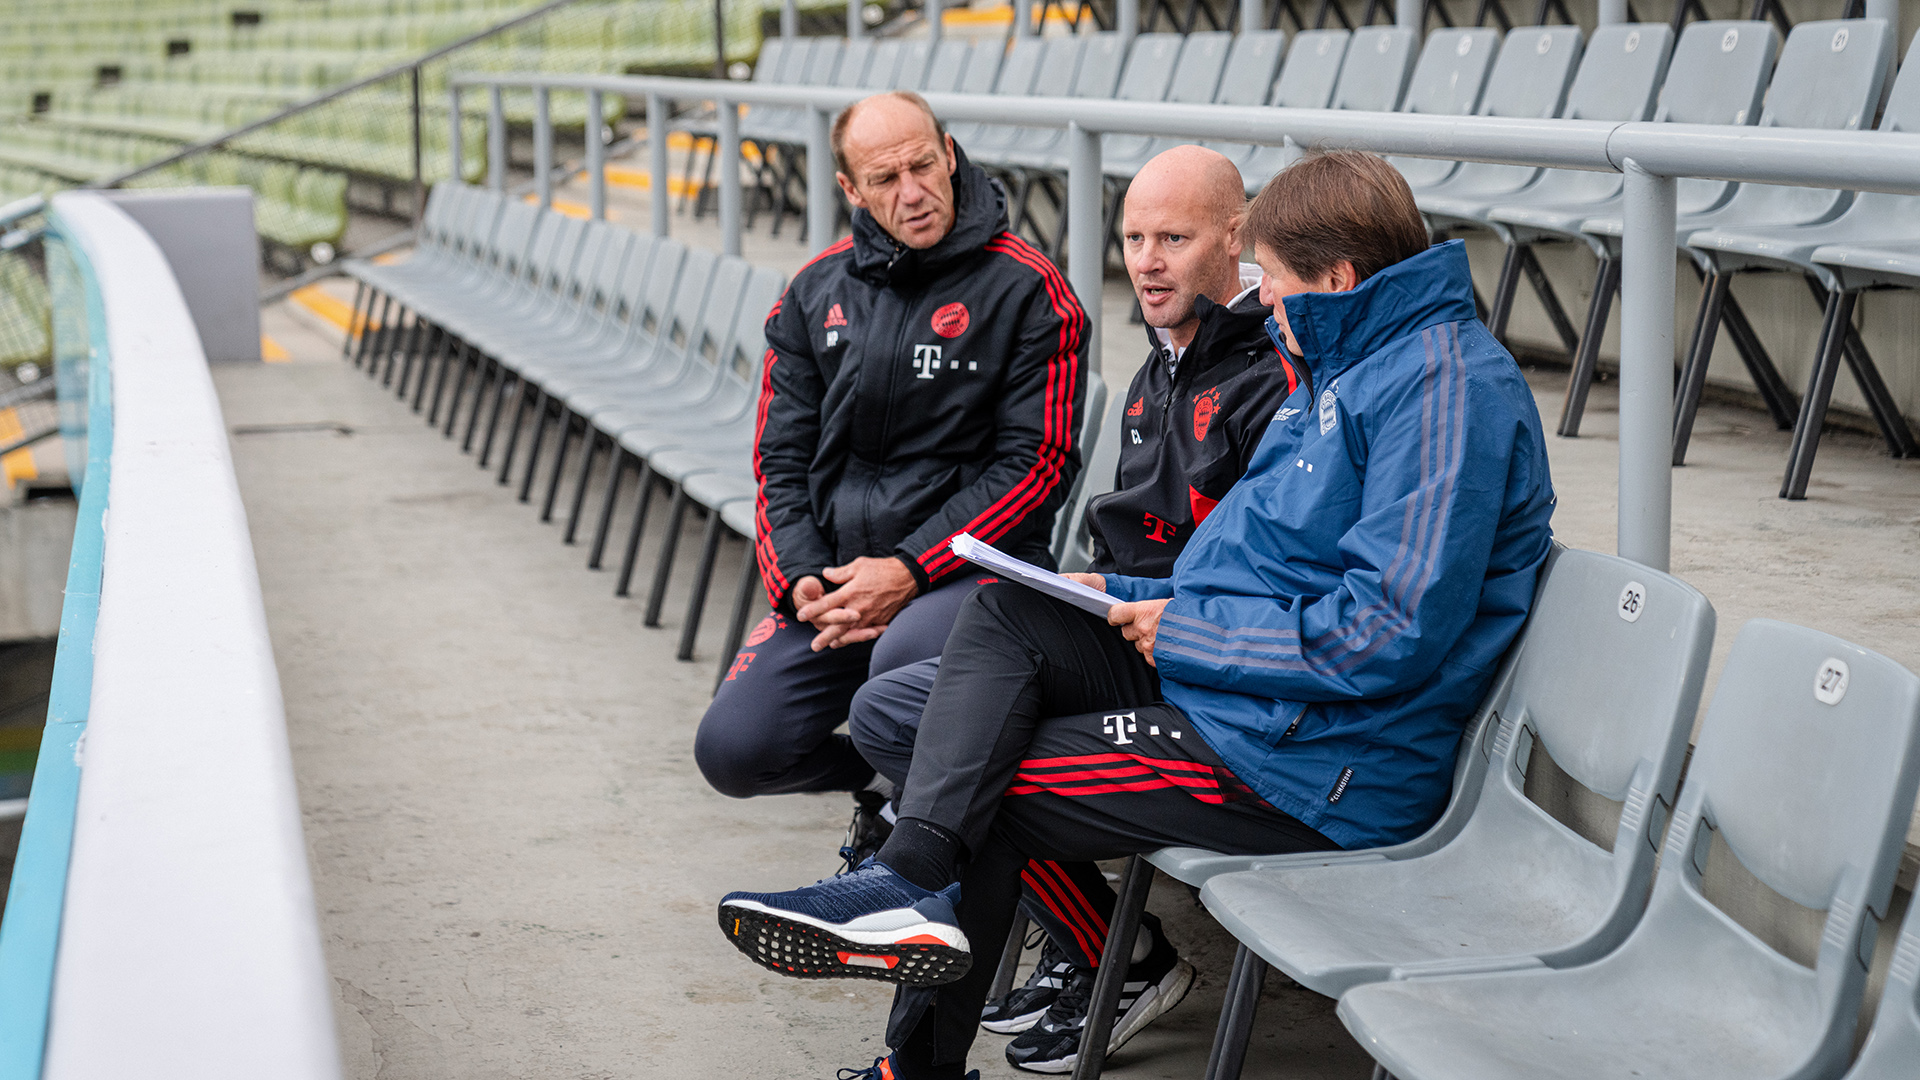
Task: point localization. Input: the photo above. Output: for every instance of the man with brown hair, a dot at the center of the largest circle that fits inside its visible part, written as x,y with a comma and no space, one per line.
1301,681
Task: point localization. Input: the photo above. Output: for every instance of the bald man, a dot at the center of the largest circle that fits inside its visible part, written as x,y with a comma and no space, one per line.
924,377
1196,411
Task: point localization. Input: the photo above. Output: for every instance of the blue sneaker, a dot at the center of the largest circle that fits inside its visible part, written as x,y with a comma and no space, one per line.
882,1069
868,924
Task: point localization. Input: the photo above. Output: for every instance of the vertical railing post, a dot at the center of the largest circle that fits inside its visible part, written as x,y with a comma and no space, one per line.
856,26
1085,220
719,39
728,155
936,16
1253,14
789,18
1612,12
1022,19
496,140
596,159
1646,368
419,164
1126,20
658,199
823,192
1410,13
456,148
542,147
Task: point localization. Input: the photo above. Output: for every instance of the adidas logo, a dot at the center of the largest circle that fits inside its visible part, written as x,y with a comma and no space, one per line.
834,318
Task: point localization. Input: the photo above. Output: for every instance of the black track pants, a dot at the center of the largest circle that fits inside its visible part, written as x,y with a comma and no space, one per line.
1045,738
770,728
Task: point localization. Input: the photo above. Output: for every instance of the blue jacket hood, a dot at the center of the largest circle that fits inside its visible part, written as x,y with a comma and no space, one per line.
1338,330
1336,619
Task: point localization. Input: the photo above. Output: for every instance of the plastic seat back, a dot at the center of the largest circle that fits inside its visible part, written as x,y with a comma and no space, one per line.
983,67
1149,72
916,57
652,295
855,57
947,68
1719,73
1101,59
1312,70
1894,1044
1373,78
821,64
746,348
1805,770
624,251
1149,69
1059,63
884,66
711,333
1451,72
772,65
1620,73
519,222
1529,80
1203,60
1099,443
1830,76
1250,77
1253,63
1447,80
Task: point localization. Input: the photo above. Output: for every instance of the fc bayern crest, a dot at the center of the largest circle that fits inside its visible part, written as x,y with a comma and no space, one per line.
951,321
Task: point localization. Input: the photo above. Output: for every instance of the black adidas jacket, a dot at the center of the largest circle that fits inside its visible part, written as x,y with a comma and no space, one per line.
1187,434
912,395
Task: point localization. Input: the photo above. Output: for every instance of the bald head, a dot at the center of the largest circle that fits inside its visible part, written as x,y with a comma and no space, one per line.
896,163
1182,235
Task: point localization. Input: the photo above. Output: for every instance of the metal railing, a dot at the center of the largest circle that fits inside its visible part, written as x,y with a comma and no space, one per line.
1651,156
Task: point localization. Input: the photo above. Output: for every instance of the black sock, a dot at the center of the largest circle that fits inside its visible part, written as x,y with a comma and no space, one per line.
924,853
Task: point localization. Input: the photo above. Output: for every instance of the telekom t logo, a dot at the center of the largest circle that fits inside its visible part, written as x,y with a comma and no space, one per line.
1158,531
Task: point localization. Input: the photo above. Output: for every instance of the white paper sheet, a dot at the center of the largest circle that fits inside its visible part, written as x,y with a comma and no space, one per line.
988,557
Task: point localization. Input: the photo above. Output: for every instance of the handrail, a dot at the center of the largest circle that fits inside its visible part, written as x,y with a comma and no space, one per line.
1650,156
21,208
161,909
324,97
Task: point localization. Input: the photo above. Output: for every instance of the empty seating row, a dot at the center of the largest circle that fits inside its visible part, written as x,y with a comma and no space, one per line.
1554,920
637,348
1827,74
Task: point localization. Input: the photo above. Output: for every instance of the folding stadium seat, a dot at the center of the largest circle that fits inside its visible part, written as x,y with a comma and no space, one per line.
1036,154
1718,74
947,66
1804,776
1596,702
1894,1044
1039,156
1012,77
1051,76
1306,81
1191,80
1448,80
884,67
1870,218
1830,76
655,363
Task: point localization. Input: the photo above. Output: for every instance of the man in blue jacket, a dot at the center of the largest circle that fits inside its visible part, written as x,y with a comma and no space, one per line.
1300,683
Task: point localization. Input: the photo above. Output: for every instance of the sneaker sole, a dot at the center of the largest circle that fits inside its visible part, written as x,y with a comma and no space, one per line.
922,954
1152,1004
1016,1024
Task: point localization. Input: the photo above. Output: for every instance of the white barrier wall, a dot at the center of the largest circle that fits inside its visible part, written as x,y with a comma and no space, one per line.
188,945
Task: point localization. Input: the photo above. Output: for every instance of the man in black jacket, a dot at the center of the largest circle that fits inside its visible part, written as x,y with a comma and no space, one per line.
1195,412
924,377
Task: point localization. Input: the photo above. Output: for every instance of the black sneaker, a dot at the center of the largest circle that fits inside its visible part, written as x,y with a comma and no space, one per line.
1024,1005
867,831
1154,985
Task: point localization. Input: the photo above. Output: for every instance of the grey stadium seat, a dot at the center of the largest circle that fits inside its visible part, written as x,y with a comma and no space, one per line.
1194,79
1606,681
1307,79
1447,80
1868,217
1534,78
1894,1044
1011,75
1805,775
1252,66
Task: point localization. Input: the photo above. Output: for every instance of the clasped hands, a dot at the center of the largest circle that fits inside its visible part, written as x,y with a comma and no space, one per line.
871,592
1138,621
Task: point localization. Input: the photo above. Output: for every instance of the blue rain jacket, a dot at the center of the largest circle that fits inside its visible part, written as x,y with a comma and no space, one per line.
1339,616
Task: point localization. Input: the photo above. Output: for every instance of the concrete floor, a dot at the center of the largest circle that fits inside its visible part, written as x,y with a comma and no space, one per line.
515,859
